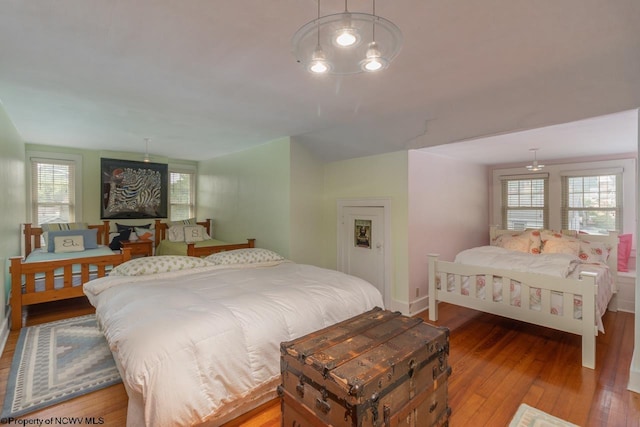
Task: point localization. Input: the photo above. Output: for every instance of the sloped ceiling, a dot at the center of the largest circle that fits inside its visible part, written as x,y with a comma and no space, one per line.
202,78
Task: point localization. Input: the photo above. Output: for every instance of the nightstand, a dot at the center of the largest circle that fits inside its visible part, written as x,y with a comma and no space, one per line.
138,247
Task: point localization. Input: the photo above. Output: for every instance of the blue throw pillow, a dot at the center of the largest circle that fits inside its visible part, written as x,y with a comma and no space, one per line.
89,235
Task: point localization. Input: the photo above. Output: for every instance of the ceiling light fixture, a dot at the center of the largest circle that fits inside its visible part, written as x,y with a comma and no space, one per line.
535,167
146,159
339,44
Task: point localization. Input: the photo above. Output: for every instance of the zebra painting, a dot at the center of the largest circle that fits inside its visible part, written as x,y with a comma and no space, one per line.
135,190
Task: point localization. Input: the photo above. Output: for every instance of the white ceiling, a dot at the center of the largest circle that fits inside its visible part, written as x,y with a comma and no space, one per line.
202,78
599,136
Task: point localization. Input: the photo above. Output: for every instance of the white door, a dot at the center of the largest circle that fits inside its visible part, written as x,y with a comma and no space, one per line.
362,244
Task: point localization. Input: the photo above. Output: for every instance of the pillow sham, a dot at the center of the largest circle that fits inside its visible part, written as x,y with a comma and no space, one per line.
158,264
145,233
244,256
190,221
176,233
624,251
561,246
58,226
593,252
64,244
124,227
527,241
89,236
115,242
193,233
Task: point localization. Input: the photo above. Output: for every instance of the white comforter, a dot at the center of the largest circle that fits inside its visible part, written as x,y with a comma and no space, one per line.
559,265
190,342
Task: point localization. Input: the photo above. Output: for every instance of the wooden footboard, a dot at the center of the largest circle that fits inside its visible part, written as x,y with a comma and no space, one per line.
45,281
445,275
203,251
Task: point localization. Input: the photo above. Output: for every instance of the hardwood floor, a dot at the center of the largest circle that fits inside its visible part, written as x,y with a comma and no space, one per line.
497,364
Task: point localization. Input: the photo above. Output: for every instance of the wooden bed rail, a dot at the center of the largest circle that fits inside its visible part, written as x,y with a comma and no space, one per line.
25,276
203,251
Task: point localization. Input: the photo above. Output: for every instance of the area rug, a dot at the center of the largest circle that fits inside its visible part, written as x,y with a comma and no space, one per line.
526,416
57,361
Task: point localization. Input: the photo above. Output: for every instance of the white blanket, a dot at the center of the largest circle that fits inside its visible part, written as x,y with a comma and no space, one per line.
560,265
190,342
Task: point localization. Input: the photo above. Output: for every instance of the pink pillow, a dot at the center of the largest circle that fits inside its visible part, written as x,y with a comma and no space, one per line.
624,251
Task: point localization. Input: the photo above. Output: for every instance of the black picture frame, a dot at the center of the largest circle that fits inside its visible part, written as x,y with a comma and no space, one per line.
133,190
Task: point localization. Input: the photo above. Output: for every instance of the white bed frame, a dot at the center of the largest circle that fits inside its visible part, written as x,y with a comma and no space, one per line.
585,286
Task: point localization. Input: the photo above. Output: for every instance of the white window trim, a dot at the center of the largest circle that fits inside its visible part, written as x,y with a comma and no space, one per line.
46,155
555,171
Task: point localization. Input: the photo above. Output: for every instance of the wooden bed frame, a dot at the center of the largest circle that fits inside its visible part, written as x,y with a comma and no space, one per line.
585,285
49,271
201,251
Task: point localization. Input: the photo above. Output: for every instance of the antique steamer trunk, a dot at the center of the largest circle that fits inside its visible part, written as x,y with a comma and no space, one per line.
376,369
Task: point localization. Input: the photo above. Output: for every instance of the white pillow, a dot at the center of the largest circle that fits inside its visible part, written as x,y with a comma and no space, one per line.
176,233
244,256
193,233
158,264
64,244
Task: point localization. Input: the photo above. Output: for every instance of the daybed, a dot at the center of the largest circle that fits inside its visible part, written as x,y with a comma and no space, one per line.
198,339
44,275
562,281
202,244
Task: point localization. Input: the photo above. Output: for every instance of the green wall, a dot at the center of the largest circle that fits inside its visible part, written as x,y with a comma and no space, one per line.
381,176
91,193
308,238
248,195
12,202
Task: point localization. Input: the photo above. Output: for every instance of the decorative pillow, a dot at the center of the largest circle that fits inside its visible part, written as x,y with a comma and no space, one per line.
190,221
561,246
64,244
624,251
193,233
115,242
527,241
176,233
593,252
89,235
158,264
57,226
145,233
244,256
124,227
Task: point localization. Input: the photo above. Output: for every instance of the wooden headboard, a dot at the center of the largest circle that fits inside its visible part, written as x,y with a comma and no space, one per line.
162,227
33,236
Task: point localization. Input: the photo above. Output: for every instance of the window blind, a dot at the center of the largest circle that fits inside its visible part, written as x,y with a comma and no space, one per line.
181,195
592,202
53,190
525,201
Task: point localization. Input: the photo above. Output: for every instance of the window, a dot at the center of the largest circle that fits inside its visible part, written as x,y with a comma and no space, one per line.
182,194
592,203
54,188
525,201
